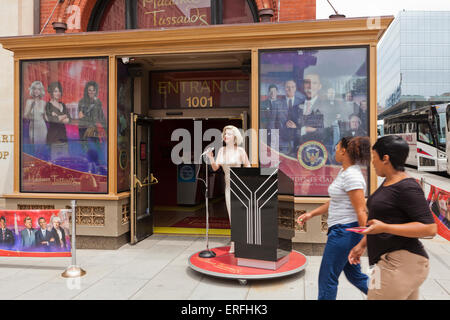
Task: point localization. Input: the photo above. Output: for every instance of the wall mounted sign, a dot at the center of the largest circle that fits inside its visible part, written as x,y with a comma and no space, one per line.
174,13
199,89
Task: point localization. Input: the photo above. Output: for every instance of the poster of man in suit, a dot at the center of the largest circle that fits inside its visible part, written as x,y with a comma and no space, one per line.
311,111
6,235
39,233
28,234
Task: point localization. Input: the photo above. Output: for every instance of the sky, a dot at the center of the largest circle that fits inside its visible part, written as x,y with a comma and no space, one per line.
366,8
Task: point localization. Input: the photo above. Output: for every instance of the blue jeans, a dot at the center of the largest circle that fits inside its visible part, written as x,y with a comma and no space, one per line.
335,260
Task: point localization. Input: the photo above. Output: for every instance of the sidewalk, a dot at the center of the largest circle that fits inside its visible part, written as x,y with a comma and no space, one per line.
157,268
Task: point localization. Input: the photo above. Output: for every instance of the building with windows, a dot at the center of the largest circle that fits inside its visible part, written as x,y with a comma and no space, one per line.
414,62
104,96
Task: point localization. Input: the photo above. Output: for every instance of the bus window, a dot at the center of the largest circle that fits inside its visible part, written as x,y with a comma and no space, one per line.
448,117
441,129
424,133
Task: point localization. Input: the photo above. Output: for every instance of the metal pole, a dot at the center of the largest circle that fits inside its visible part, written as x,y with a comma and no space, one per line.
206,253
73,243
73,271
207,208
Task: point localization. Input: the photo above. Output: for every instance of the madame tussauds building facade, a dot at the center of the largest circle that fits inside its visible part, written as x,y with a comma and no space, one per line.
118,120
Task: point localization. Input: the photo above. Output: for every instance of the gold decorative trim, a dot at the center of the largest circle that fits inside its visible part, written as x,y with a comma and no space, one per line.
217,38
89,215
67,196
125,213
35,207
298,227
324,223
285,220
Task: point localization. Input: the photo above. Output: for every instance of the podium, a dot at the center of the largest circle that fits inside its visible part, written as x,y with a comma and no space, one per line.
262,228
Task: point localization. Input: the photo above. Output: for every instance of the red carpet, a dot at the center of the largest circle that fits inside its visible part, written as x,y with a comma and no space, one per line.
200,222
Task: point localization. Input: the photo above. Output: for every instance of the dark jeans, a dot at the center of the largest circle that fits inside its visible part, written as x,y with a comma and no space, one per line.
335,260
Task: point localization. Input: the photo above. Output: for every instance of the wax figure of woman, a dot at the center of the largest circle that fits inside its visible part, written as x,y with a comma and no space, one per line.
398,216
90,113
231,155
346,209
57,115
35,112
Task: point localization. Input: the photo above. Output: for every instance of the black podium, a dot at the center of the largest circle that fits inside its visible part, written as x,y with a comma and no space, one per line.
261,227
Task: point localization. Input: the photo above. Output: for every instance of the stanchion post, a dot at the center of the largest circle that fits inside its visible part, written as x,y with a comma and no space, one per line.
73,271
206,253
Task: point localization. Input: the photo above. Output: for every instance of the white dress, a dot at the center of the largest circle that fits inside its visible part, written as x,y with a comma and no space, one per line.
38,129
228,160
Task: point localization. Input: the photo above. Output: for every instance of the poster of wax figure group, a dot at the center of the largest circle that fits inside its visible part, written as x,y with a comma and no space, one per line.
314,98
439,201
35,233
64,125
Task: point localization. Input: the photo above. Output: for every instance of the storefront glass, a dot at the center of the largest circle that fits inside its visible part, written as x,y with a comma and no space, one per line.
314,98
64,119
114,16
158,14
236,12
124,108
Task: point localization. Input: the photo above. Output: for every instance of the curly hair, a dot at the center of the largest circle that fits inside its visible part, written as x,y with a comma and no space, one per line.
358,149
238,140
37,85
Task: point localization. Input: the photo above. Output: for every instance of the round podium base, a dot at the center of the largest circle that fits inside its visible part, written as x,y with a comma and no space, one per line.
224,265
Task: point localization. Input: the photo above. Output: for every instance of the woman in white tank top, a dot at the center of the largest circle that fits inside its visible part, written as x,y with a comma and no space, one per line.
346,209
229,156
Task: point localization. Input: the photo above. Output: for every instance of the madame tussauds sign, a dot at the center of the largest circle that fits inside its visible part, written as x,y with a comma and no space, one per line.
176,13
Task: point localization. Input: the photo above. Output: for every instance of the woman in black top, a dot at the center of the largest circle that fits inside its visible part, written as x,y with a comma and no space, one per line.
398,216
57,115
90,113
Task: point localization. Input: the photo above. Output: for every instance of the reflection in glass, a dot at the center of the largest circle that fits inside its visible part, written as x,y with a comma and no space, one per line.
312,98
64,130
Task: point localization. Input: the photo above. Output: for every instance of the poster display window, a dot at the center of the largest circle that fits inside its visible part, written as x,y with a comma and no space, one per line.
64,125
309,100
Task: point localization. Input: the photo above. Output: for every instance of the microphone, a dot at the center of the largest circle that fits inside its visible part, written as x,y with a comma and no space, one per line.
208,150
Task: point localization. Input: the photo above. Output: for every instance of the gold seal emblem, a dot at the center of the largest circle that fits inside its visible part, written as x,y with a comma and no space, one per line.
312,155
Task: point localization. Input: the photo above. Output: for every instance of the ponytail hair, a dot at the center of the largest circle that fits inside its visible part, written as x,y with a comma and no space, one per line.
358,149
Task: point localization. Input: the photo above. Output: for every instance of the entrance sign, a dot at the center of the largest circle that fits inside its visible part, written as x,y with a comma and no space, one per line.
35,233
313,98
64,125
199,89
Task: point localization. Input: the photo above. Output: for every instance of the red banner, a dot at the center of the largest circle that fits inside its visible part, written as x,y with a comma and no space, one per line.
35,233
309,181
439,201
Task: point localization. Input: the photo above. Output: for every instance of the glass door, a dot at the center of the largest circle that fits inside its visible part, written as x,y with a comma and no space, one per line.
142,178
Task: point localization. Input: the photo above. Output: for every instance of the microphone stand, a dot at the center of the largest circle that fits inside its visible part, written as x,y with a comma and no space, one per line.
206,253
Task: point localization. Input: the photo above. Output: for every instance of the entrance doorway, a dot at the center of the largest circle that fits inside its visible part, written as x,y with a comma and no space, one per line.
179,197
182,91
